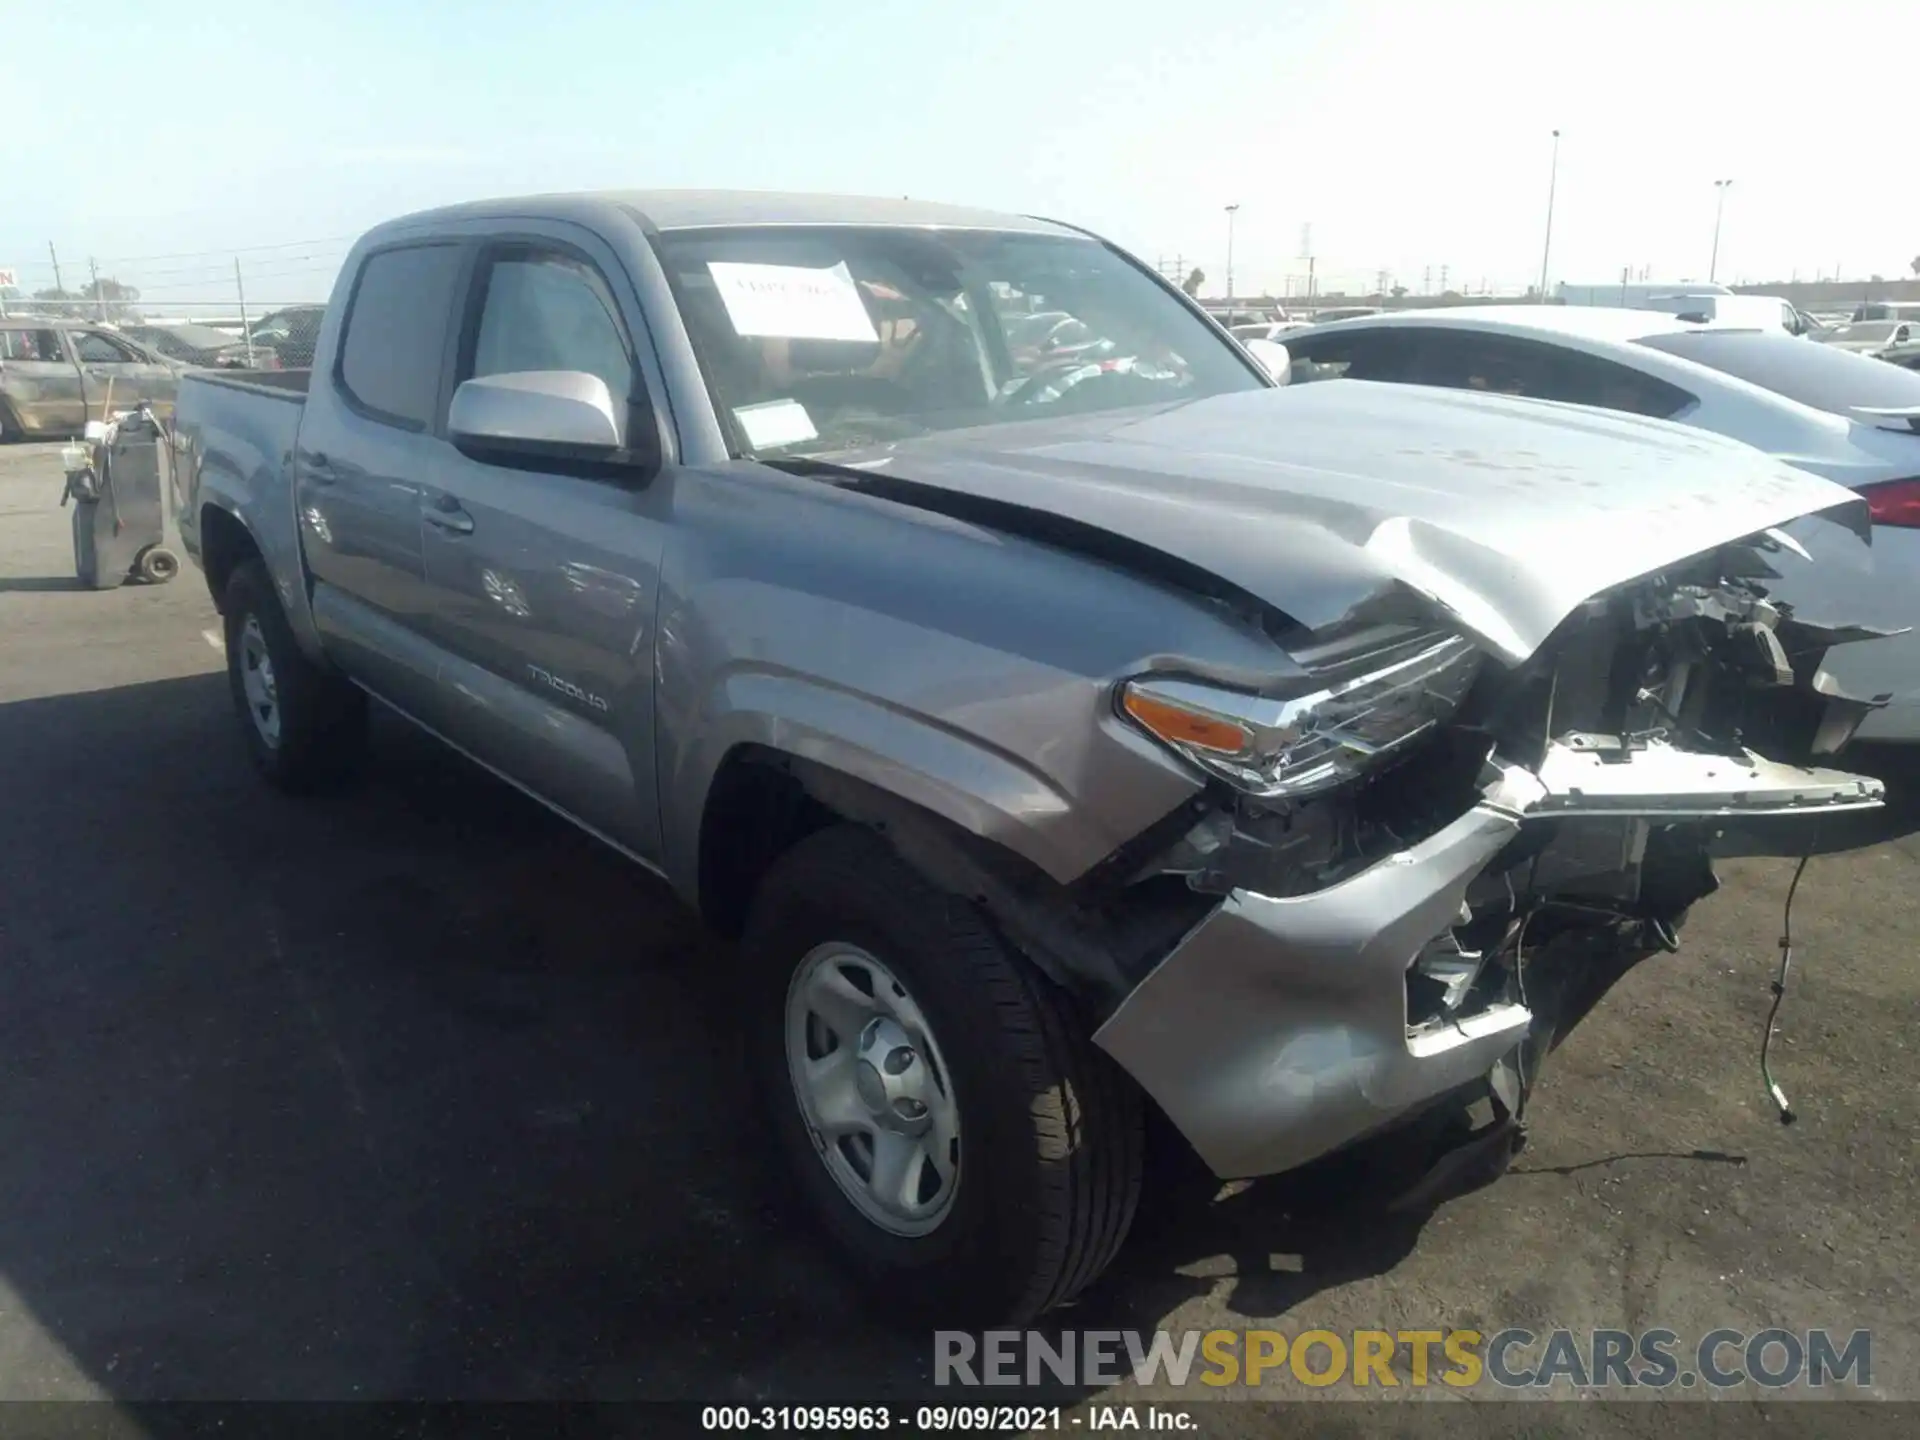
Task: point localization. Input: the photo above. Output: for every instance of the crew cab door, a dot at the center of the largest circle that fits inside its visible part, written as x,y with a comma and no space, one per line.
366,447
117,375
544,574
39,383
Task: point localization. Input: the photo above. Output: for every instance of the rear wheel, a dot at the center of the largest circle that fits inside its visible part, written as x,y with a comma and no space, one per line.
305,727
966,1148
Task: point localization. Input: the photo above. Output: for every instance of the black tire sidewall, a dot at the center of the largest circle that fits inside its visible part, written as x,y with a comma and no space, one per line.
248,596
323,718
978,1260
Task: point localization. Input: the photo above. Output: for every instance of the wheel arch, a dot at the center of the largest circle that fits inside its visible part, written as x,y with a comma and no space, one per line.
765,800
226,543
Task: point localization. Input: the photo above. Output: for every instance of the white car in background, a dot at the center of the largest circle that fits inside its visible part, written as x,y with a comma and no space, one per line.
1847,417
1268,330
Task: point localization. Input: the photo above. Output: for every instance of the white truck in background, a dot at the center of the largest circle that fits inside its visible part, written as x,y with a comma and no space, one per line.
1705,301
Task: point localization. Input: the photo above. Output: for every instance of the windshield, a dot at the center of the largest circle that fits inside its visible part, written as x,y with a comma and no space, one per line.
1814,374
832,338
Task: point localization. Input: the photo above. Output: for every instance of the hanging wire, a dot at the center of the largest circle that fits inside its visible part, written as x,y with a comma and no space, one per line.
1780,993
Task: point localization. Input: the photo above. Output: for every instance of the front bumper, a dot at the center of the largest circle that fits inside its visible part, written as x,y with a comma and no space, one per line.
1277,1031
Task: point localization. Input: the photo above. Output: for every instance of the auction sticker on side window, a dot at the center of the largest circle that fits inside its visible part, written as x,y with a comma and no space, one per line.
775,423
793,302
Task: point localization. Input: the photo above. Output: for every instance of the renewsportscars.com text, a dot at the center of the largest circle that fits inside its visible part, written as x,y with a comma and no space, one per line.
1458,1359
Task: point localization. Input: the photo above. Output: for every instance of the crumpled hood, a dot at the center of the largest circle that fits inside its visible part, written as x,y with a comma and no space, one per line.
1505,513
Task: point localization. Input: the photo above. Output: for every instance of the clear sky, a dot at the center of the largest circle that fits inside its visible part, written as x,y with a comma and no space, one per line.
1408,135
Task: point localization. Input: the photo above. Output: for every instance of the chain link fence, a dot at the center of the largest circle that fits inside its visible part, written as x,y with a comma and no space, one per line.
215,334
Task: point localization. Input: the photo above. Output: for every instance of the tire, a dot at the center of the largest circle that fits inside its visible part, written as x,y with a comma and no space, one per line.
156,565
1047,1166
316,733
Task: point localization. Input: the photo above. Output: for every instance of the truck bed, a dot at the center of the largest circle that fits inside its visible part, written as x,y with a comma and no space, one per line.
280,384
234,432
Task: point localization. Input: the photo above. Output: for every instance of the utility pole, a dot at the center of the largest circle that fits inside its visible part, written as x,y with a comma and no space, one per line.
1426,281
1232,210
1443,279
54,256
1553,177
245,329
99,305
1719,209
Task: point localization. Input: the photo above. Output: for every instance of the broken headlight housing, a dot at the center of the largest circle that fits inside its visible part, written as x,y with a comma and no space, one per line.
1306,744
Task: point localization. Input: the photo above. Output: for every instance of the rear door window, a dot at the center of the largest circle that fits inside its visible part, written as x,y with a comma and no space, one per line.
396,333
1818,375
1508,365
28,346
1362,354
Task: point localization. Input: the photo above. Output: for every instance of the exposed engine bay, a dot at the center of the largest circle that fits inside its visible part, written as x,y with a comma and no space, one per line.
1635,716
1666,721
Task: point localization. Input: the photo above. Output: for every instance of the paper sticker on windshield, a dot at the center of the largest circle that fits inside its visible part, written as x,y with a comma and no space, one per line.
776,423
793,301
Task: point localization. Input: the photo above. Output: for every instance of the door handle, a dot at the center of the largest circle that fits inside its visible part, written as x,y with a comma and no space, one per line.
319,468
446,514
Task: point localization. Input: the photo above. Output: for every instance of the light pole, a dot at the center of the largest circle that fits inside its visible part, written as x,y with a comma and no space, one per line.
1719,209
1546,250
1232,210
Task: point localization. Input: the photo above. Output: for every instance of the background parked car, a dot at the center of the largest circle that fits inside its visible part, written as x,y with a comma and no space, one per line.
1888,310
1275,330
1871,337
192,345
288,336
1903,355
1233,315
1760,311
55,375
1847,417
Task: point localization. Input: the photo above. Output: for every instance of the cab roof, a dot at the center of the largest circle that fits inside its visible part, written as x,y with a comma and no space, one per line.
669,210
1589,322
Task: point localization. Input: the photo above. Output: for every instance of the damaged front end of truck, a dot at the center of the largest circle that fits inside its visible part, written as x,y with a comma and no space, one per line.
1431,863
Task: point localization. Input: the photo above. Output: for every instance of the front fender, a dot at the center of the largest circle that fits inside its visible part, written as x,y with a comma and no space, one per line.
977,787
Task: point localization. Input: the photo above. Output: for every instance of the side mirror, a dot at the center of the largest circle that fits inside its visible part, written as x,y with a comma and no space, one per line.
531,411
1273,357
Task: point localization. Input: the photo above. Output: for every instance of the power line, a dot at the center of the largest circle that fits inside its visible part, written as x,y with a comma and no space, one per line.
228,251
218,269
207,283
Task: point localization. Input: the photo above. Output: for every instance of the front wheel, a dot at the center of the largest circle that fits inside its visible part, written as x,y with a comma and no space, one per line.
965,1147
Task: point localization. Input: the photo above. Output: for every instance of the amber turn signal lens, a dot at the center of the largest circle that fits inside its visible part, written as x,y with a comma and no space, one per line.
1179,726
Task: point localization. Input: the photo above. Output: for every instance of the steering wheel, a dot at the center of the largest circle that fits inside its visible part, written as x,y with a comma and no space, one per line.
1053,381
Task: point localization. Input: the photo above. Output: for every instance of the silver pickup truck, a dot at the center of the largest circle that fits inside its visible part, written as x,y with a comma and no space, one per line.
1071,738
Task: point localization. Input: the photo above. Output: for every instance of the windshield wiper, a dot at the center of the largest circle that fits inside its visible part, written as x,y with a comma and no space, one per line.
811,467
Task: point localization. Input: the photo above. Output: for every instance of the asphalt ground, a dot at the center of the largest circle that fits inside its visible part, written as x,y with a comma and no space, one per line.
417,1093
